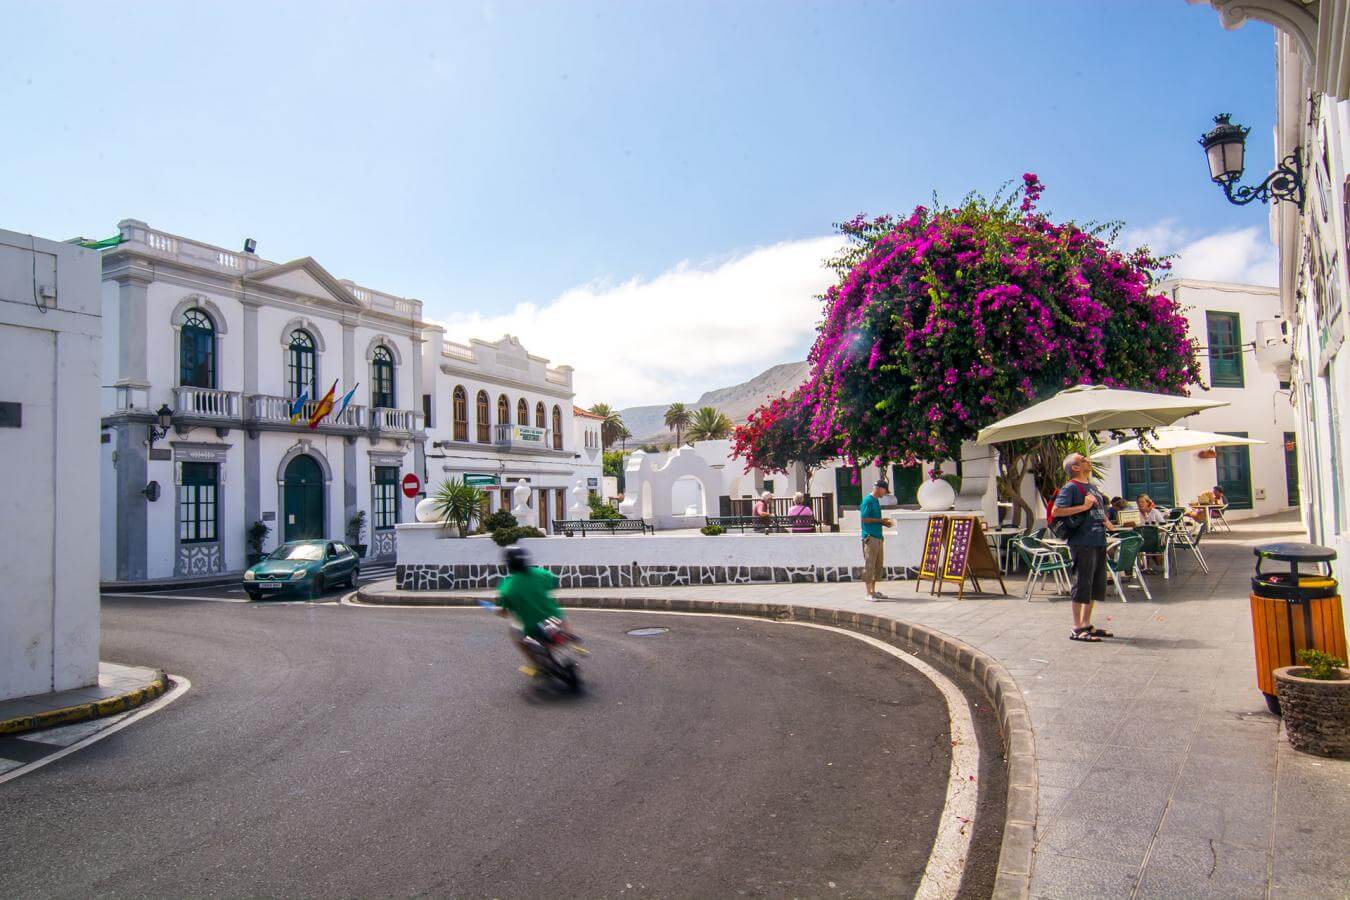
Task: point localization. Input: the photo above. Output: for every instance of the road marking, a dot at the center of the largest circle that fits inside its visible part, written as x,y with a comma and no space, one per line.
956,826
179,597
180,687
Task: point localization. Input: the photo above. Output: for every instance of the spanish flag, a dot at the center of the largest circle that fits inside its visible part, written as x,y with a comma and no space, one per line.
324,408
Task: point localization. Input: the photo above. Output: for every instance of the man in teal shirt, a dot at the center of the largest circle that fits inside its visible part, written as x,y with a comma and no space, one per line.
873,540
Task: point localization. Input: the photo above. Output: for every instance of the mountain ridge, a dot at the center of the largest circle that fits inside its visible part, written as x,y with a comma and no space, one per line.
736,401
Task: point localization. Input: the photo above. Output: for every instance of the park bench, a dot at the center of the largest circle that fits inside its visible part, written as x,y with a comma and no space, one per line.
570,527
761,523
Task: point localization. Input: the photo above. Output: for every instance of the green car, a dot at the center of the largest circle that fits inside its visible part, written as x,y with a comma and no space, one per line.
306,567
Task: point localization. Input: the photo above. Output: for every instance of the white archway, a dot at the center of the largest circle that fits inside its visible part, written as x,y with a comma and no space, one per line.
649,487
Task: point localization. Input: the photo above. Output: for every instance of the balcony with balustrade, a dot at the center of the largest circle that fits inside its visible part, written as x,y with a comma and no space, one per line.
194,406
268,412
525,439
396,423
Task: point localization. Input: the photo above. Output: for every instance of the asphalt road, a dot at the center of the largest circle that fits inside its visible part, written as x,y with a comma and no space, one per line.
332,751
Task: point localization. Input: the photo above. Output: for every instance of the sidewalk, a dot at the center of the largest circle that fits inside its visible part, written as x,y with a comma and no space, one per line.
120,688
1160,771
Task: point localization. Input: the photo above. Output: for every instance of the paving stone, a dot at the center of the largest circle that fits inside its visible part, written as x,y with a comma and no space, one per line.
1091,839
1059,877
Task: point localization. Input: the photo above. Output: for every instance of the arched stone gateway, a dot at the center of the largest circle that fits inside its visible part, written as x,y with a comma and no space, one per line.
650,489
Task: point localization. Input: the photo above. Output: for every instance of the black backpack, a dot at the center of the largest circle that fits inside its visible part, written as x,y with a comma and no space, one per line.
1065,527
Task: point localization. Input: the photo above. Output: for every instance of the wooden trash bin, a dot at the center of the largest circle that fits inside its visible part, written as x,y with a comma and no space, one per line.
1293,611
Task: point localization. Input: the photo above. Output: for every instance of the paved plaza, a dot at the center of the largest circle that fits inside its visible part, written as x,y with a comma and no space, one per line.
1160,771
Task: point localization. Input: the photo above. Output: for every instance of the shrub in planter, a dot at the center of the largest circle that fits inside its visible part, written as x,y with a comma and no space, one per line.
602,510
712,530
1315,703
500,519
507,536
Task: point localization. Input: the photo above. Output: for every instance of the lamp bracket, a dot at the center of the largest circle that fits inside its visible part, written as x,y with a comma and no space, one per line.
1285,183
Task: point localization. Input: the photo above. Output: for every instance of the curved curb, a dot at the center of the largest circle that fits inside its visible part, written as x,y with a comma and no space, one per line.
94,709
1013,879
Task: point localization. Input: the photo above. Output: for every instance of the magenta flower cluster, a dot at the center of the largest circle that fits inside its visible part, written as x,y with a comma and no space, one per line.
950,319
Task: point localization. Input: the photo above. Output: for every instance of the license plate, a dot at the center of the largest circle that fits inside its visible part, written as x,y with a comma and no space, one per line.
271,584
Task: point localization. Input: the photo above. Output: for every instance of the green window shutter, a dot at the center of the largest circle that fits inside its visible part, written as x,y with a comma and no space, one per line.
1224,331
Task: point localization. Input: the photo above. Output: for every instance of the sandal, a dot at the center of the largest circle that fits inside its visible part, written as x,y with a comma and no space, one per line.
1084,635
1097,632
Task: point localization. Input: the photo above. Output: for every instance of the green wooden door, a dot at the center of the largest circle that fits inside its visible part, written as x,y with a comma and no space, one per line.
905,481
1291,467
1152,475
303,500
1233,470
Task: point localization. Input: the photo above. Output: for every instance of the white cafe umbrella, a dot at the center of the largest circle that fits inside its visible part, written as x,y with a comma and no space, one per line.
1093,407
1176,440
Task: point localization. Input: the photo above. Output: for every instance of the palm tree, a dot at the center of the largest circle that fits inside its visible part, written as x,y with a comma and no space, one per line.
611,425
678,418
709,424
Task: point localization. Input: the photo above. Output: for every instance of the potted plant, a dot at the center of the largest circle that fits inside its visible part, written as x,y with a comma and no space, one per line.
1315,703
459,504
356,532
256,534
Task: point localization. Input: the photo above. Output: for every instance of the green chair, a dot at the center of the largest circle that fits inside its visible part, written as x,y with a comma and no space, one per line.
1042,560
1124,557
1155,544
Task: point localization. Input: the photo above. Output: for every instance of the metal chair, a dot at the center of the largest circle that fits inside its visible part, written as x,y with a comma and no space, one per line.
1042,560
1155,543
1218,520
1187,532
1124,557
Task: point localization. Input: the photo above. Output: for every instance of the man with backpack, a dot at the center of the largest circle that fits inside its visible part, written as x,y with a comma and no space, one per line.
1080,520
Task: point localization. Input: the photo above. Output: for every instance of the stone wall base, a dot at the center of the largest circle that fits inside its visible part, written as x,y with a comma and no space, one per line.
428,577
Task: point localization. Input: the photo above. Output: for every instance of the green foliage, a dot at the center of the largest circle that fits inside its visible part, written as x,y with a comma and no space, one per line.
506,536
712,530
602,510
709,424
611,425
459,504
677,419
257,533
1321,666
953,480
500,519
614,463
356,527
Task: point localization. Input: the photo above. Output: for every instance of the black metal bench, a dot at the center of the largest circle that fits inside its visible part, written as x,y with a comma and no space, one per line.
570,527
764,523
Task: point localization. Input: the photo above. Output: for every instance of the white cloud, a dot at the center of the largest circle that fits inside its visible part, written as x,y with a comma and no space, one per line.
1245,256
690,329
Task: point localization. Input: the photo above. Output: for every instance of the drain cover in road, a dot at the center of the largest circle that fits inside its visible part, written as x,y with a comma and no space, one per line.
647,632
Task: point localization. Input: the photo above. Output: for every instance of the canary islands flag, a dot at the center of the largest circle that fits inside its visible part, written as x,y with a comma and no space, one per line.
346,400
298,406
324,408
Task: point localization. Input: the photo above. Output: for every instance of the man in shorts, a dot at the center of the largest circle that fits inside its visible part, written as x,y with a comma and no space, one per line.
873,539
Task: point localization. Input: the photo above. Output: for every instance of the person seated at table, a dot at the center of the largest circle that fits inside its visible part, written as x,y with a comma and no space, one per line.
1149,514
1196,508
1113,511
800,515
763,511
1219,498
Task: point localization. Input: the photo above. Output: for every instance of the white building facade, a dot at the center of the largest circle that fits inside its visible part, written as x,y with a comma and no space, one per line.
500,415
50,333
1306,344
1257,480
226,342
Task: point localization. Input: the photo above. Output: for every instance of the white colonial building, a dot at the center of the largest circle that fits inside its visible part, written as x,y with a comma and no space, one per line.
224,342
1257,480
499,415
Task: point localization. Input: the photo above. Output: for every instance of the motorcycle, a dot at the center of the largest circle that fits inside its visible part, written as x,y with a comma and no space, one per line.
557,654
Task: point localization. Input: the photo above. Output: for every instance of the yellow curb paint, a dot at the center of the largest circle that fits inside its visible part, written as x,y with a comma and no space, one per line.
94,709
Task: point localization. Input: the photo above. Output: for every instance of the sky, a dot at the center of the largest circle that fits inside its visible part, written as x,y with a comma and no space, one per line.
642,189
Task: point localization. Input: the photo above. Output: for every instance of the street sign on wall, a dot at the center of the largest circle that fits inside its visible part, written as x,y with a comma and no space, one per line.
412,485
482,480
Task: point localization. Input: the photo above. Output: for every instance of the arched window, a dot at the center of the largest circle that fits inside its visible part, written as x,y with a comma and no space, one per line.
197,350
522,412
382,378
539,416
484,426
557,427
300,364
461,413
503,410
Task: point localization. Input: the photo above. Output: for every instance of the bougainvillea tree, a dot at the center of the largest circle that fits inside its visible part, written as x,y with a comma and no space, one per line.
948,319
778,435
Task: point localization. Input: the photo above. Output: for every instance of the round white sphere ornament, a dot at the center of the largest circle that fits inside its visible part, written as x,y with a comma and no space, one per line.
936,494
426,510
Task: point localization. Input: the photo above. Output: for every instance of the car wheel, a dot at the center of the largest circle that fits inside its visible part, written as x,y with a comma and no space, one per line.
255,596
351,580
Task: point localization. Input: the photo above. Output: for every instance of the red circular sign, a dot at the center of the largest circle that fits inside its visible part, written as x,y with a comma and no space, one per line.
412,486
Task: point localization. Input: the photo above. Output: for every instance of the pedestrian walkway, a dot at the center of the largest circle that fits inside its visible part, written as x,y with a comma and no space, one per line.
1160,771
120,688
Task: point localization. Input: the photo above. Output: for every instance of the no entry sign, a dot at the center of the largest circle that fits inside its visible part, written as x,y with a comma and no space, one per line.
412,485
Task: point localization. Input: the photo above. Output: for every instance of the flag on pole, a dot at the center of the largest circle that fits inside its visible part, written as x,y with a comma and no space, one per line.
298,406
346,400
324,408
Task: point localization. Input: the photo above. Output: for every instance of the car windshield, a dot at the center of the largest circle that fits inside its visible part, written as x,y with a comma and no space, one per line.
298,551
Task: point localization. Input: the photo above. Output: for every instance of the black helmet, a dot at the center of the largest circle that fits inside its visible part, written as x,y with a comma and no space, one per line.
517,559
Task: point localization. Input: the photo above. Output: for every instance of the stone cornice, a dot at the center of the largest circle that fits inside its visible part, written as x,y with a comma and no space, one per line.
479,375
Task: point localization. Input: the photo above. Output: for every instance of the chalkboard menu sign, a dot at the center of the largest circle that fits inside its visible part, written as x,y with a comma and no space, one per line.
967,556
930,561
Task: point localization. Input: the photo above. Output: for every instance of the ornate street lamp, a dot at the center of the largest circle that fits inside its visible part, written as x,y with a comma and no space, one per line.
1225,147
163,421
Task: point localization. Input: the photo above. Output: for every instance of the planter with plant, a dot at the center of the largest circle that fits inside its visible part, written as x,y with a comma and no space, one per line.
1315,703
257,534
507,536
356,532
500,519
602,510
712,530
459,505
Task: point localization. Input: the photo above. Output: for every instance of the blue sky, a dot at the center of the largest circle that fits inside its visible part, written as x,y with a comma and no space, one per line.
482,156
